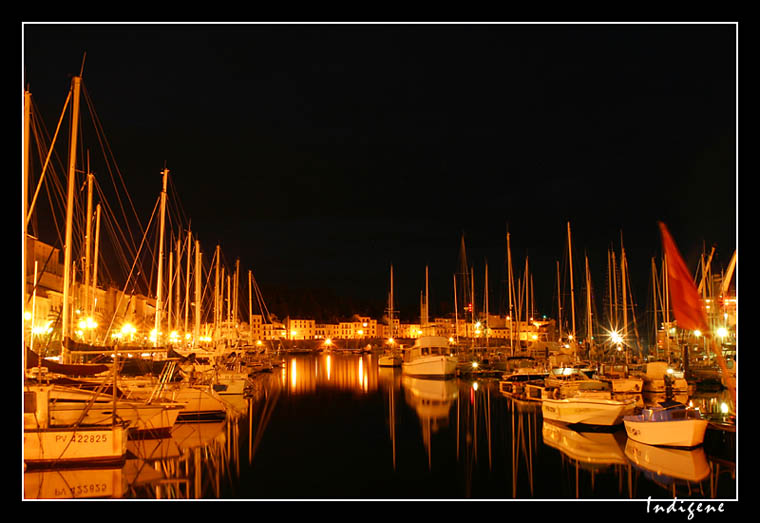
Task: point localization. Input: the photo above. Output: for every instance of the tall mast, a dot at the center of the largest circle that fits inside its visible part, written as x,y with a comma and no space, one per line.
654,300
187,282
486,304
625,296
197,329
170,272
95,262
390,306
66,315
559,304
456,313
427,297
159,282
510,291
614,290
572,288
250,308
87,240
176,280
589,323
216,292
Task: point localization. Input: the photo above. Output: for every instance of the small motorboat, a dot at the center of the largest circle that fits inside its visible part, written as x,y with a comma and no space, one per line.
671,424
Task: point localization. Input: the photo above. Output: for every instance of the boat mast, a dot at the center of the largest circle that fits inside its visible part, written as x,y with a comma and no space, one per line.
87,239
625,298
486,304
187,282
589,319
390,307
95,264
159,281
456,313
197,329
559,305
510,291
250,308
66,315
176,280
654,301
572,288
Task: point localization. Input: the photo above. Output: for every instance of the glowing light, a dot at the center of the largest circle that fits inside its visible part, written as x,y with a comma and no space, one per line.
615,337
390,341
670,371
27,315
697,333
474,364
258,343
535,337
569,336
360,332
474,385
328,342
724,408
722,332
451,340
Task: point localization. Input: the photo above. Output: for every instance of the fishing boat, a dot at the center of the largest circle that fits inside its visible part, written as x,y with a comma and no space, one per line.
588,408
430,356
671,424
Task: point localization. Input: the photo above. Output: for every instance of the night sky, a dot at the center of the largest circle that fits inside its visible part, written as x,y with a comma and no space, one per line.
322,154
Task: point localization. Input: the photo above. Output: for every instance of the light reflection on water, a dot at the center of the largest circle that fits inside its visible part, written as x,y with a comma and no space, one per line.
311,425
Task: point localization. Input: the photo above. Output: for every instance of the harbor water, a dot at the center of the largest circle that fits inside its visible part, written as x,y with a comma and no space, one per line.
339,427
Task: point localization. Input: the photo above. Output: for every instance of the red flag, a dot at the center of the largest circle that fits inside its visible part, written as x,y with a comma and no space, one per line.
688,309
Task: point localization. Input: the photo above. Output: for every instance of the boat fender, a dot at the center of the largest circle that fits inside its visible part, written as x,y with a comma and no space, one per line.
555,394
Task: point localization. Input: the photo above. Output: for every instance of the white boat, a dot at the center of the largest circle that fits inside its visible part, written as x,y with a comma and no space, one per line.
588,408
672,424
430,356
45,445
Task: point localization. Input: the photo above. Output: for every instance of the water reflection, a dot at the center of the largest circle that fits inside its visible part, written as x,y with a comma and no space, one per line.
306,374
432,400
477,443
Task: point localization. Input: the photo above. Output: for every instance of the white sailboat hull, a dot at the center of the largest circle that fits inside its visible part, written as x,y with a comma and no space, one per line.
590,411
430,366
67,445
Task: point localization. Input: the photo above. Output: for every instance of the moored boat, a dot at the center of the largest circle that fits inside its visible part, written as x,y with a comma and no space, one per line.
430,356
672,424
45,445
588,408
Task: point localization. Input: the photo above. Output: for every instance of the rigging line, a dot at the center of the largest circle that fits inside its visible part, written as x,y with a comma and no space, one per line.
109,209
134,263
100,133
115,231
47,159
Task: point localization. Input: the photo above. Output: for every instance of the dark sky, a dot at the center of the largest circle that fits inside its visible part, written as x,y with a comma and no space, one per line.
320,154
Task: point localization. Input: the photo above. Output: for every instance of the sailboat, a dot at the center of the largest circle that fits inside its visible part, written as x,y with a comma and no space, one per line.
45,444
391,357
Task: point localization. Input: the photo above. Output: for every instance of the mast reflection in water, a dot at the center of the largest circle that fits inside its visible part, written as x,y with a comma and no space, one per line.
337,426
